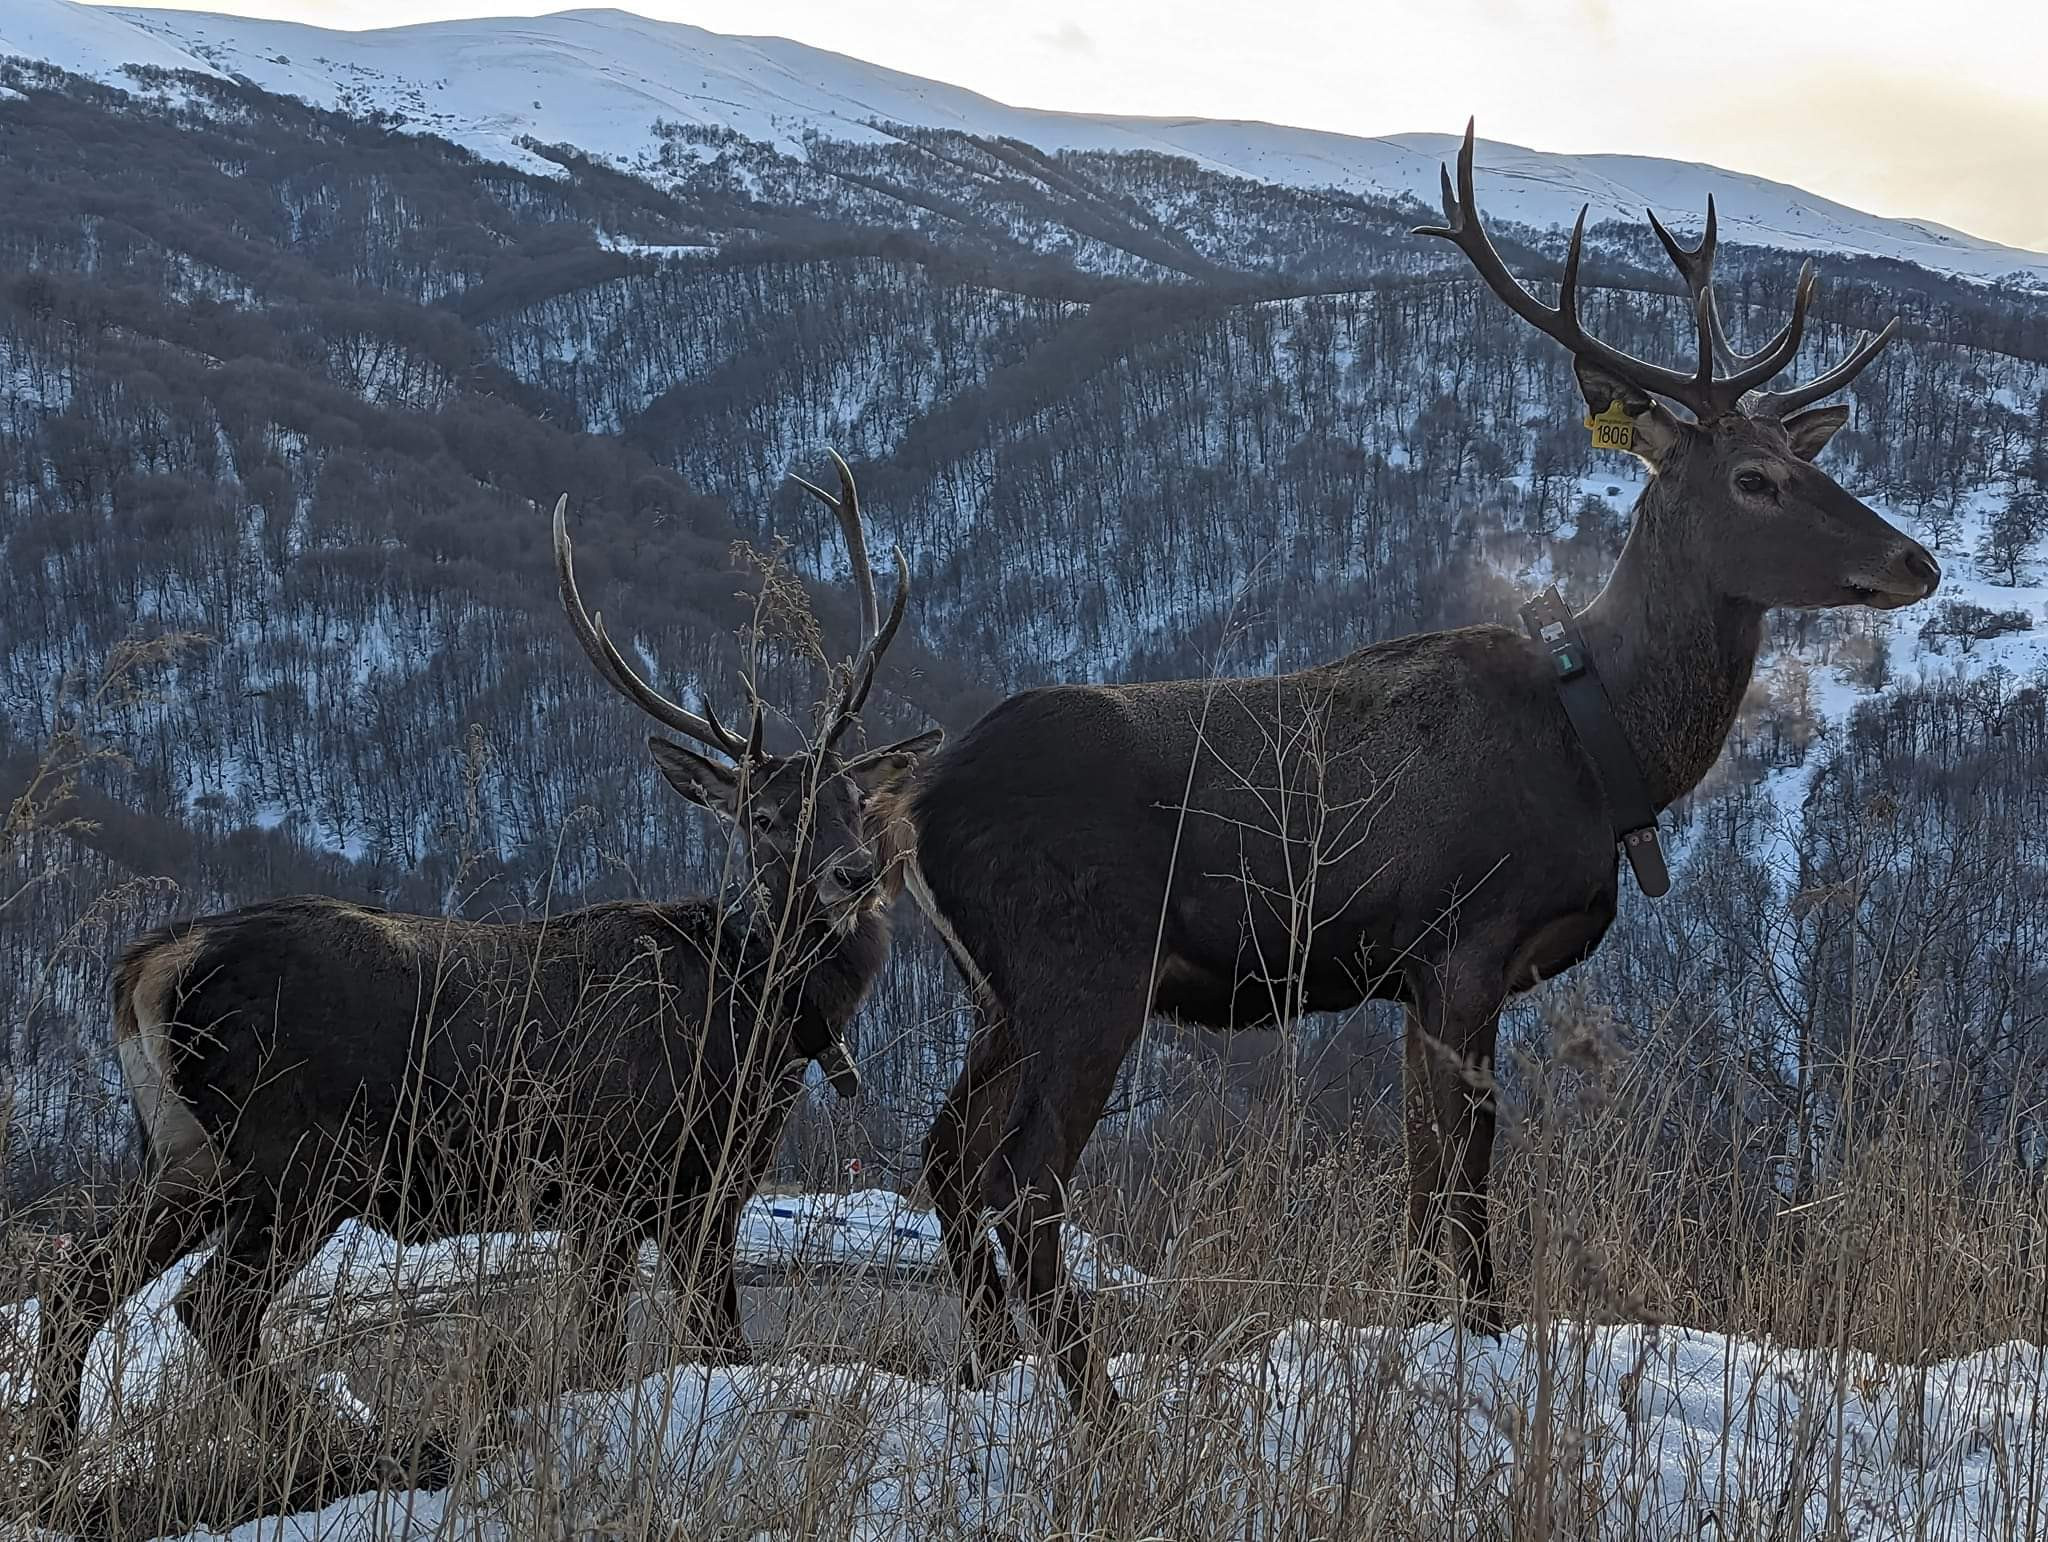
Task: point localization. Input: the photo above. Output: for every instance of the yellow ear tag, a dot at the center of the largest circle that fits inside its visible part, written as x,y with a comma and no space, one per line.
1613,429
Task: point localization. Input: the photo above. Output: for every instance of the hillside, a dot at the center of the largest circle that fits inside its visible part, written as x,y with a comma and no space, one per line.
616,86
287,386
298,382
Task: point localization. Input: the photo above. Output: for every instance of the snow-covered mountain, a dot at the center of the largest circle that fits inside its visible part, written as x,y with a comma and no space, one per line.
599,80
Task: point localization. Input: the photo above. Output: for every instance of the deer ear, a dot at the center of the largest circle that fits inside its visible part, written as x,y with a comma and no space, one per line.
1811,431
878,768
704,782
1656,430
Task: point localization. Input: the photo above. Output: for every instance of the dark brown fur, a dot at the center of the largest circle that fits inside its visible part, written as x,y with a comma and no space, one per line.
1415,821
622,1070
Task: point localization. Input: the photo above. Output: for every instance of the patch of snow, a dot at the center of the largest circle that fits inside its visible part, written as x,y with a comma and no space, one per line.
144,1352
632,248
1657,1432
878,1228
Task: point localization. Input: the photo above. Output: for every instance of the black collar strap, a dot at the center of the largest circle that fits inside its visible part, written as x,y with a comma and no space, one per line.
1551,623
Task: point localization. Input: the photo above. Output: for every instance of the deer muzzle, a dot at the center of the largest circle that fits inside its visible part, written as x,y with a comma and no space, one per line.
1912,576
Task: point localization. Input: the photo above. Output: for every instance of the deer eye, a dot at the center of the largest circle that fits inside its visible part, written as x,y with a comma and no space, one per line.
763,819
1755,483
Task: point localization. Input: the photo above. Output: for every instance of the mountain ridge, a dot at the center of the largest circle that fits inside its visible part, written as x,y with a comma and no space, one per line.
600,79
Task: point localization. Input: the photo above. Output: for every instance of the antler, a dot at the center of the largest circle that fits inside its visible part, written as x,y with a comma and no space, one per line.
876,634
1778,404
618,674
1702,392
1697,268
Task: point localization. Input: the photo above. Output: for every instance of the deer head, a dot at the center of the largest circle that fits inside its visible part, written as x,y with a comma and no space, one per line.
1755,516
803,817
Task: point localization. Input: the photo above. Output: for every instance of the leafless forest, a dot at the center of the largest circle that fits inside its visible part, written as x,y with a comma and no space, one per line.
287,398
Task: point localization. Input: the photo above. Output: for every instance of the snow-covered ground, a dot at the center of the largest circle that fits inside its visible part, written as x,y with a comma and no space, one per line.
1653,1433
599,79
144,1352
879,1229
1683,1433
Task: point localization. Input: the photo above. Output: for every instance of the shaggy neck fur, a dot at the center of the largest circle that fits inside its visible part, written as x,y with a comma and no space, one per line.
1676,657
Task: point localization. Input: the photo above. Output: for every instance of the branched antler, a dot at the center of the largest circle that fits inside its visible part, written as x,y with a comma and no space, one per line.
1696,267
619,675
876,634
1705,392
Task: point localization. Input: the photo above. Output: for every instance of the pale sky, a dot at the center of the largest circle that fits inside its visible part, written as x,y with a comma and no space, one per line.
1934,108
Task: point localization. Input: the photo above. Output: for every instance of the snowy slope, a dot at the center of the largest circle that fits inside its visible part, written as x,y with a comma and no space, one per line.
83,40
599,79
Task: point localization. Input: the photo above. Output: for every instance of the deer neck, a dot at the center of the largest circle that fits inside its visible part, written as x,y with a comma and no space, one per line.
1674,653
844,963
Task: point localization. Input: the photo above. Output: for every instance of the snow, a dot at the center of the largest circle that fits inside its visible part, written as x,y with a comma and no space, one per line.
1660,1429
144,1350
632,248
1657,1432
86,40
879,1229
599,80
1674,1427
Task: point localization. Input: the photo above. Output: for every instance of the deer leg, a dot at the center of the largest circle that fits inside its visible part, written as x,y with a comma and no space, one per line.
1425,1159
718,1315
1061,1102
1472,1165
611,1258
103,1268
1449,1096
260,1247
956,1157
712,1282
701,1269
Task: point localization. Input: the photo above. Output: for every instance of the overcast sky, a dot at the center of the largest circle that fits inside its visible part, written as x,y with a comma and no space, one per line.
1936,108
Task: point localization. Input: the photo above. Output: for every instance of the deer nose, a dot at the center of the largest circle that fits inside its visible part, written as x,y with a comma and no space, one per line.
852,874
1921,564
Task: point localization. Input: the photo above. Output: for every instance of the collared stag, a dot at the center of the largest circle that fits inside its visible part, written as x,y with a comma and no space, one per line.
622,1070
1416,820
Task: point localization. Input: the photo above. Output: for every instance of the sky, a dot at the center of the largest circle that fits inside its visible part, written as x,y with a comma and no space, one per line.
1900,107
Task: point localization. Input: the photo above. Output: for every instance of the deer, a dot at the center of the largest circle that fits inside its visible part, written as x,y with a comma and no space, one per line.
1416,821
305,1061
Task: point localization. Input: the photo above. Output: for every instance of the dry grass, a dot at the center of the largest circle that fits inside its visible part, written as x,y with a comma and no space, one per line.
1271,1384
1614,1208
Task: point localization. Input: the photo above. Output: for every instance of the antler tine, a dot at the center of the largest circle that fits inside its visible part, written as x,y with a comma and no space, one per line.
748,749
1696,266
876,633
1780,351
611,665
846,508
862,675
1464,229
1696,263
1779,403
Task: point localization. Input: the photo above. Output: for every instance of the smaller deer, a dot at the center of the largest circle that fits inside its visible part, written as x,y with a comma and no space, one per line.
623,1070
